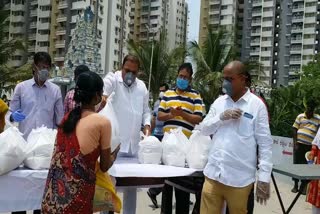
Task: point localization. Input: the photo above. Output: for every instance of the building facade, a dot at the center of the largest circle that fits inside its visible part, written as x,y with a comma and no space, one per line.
282,35
150,17
48,25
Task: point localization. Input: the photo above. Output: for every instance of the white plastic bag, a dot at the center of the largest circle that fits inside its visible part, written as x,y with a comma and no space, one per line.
40,148
12,151
150,150
199,147
109,113
174,148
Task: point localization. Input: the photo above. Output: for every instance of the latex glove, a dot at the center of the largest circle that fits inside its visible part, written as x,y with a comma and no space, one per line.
18,116
231,114
263,192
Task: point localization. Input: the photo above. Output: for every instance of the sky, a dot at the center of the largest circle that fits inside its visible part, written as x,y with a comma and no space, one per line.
194,19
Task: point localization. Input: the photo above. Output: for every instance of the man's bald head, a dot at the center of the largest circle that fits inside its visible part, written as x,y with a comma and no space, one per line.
235,66
236,74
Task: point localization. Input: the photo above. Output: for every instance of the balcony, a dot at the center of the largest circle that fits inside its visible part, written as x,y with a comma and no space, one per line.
44,14
214,12
295,61
17,19
255,42
266,54
42,49
17,30
33,25
44,2
32,36
310,41
63,5
61,31
44,37
34,2
60,44
31,48
308,52
256,13
17,7
214,2
310,20
267,24
297,19
44,26
33,13
309,30
296,30
268,14
256,23
298,9
295,51
59,58
255,33
62,18
256,3
296,40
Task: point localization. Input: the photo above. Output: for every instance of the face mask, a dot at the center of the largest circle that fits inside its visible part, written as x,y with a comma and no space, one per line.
182,84
43,75
161,94
227,87
129,79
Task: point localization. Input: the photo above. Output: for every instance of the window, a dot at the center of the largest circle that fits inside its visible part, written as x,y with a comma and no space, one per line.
100,20
224,7
154,8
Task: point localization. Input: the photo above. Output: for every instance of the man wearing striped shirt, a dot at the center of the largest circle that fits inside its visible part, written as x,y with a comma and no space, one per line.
305,129
180,107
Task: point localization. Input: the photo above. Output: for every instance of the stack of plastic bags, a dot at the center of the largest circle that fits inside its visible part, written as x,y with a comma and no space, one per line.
12,152
176,149
39,148
150,150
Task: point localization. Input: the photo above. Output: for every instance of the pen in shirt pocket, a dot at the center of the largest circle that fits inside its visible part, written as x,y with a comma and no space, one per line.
247,115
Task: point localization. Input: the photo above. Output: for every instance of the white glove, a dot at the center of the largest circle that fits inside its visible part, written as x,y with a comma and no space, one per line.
231,114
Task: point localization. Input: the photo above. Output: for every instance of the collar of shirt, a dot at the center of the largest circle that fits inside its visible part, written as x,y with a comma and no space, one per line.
245,97
35,84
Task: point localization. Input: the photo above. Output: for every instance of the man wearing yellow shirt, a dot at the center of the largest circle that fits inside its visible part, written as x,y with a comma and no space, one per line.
305,129
180,107
3,111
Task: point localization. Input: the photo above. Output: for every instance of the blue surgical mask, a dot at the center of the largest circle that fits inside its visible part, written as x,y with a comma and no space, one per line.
43,75
182,84
227,87
129,79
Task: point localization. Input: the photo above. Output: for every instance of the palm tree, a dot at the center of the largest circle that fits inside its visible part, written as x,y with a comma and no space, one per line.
210,60
8,75
164,65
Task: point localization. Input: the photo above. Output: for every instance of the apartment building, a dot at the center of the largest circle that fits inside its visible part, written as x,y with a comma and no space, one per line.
117,33
281,35
150,17
29,22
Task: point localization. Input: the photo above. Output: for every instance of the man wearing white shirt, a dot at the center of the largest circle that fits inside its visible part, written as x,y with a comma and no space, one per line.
239,124
131,105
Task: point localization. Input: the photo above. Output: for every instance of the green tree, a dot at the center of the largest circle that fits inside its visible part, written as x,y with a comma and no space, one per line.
9,76
164,63
210,59
310,78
